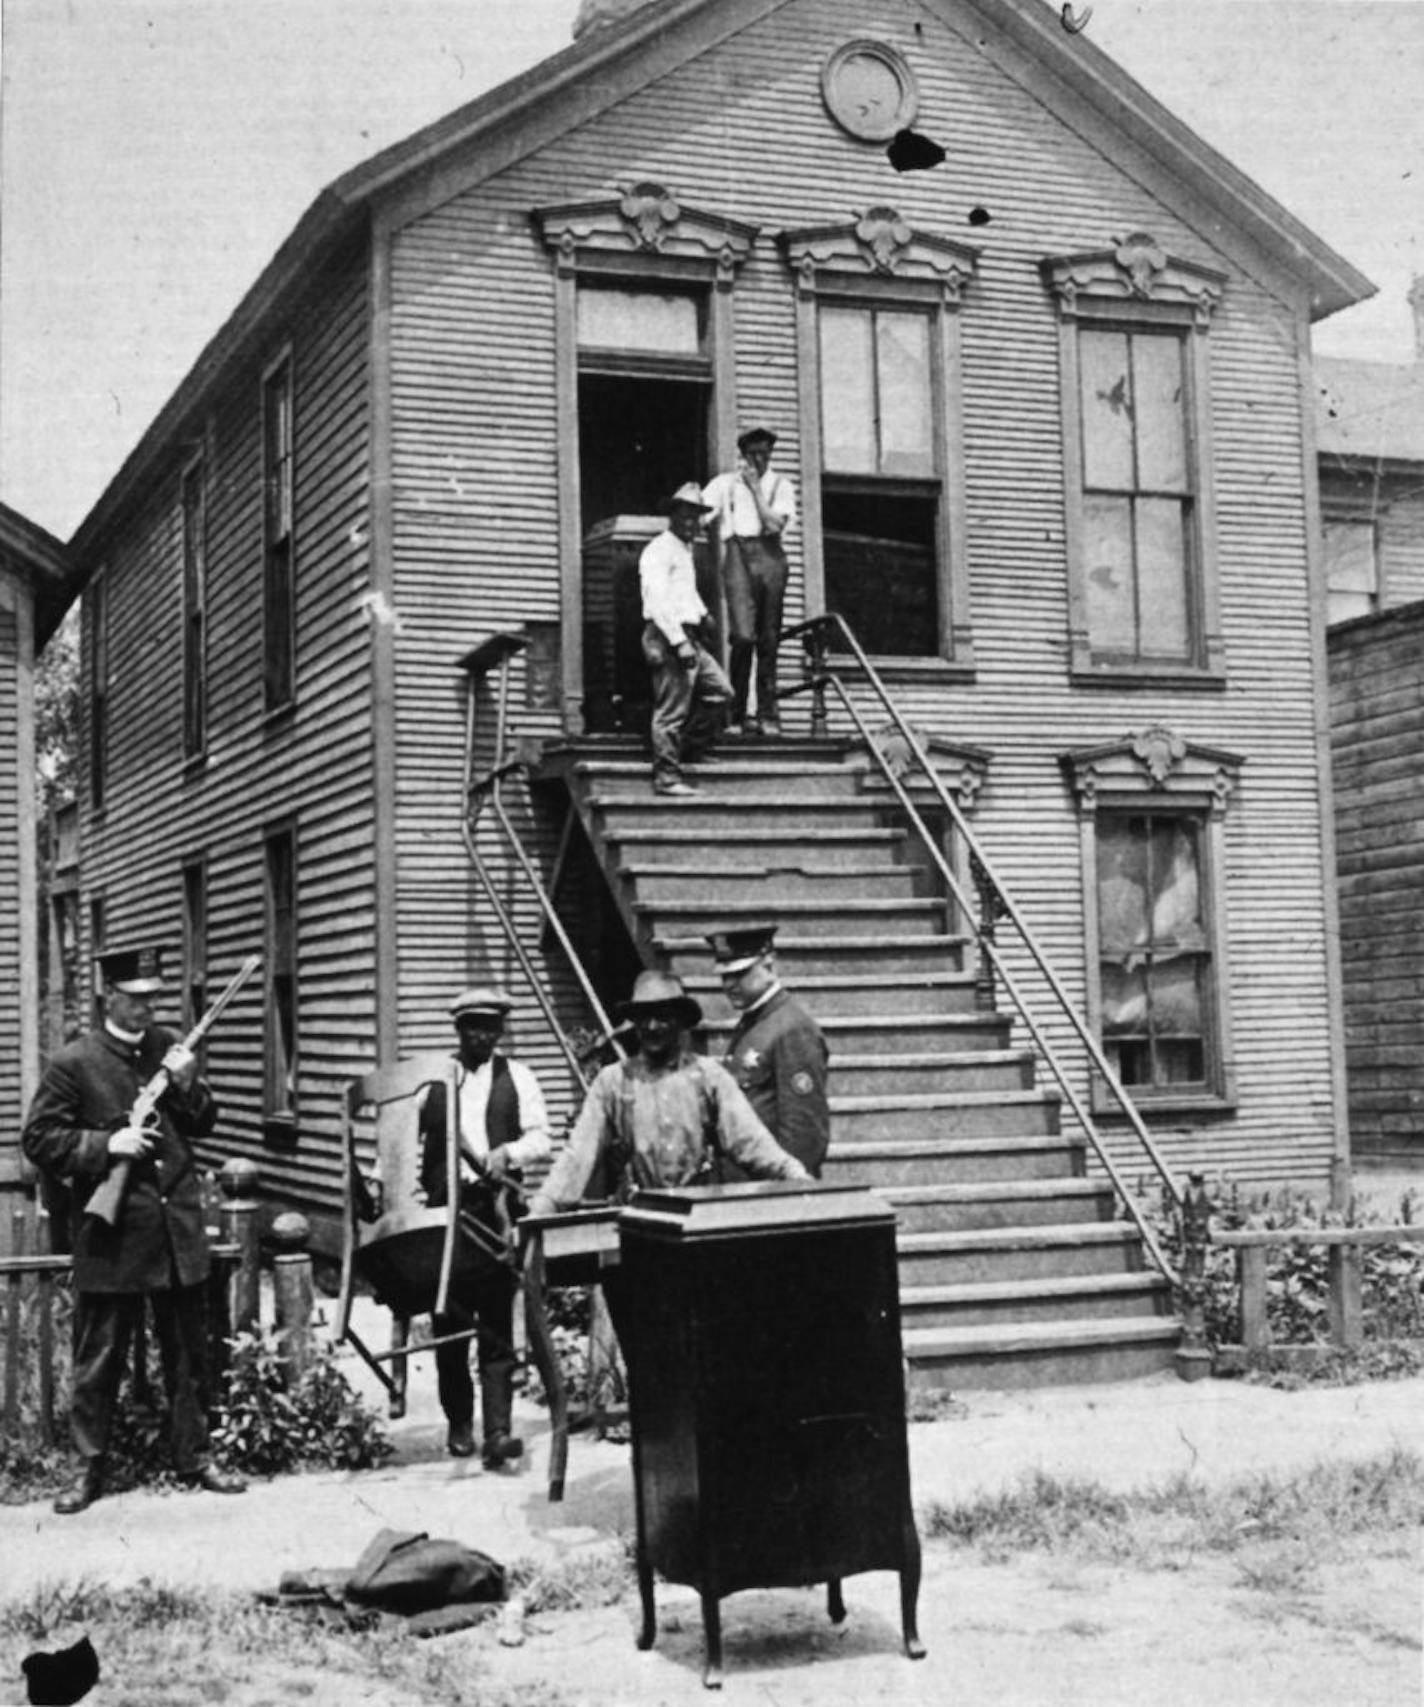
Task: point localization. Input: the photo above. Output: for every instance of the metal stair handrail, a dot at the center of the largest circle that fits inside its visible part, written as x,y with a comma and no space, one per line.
497,653
815,635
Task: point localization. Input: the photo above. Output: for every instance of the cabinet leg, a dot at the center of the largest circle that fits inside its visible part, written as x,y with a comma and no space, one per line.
645,1594
910,1590
835,1601
712,1632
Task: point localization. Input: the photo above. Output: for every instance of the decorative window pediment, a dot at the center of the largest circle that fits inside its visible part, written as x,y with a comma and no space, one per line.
961,768
1135,270
1155,761
647,220
878,244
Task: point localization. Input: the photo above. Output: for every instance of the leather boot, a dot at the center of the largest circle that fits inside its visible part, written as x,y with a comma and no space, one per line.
460,1440
87,1487
500,1448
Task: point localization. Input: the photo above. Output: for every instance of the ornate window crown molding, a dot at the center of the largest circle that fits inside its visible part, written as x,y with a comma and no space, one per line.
878,244
1135,270
963,769
1155,761
645,219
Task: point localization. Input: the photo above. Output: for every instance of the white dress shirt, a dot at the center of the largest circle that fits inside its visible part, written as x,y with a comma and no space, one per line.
533,1143
668,577
736,511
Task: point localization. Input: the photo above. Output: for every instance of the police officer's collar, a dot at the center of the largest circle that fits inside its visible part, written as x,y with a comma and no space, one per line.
131,1039
763,998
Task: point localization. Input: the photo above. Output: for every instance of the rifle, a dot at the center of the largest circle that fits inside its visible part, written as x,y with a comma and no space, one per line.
108,1197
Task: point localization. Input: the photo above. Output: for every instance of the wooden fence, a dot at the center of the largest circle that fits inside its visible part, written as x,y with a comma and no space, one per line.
33,1278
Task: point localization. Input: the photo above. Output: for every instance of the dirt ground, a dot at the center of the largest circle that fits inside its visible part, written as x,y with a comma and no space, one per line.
1263,1626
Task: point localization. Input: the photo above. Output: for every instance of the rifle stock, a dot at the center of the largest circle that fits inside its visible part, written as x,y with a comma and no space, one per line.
107,1200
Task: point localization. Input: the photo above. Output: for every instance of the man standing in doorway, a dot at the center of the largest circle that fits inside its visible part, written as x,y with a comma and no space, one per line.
777,1053
690,689
156,1251
753,507
502,1127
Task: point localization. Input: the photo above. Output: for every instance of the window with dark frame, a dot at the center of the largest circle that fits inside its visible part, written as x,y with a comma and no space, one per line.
97,601
1351,547
195,942
195,663
880,482
1138,503
1155,963
280,1052
279,569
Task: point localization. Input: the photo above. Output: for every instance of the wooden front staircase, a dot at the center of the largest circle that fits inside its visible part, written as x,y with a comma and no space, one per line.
1013,1269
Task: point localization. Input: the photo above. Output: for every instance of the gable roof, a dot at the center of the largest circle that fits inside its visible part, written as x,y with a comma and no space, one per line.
1372,410
45,564
1032,25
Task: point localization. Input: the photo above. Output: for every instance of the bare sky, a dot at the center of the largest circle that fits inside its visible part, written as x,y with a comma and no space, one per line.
154,154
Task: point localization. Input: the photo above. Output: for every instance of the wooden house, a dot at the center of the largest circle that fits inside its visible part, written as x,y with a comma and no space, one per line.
34,589
1370,431
1046,407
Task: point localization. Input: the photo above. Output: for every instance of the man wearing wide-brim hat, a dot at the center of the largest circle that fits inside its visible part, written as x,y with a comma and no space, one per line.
155,1255
690,688
753,507
502,1126
665,1116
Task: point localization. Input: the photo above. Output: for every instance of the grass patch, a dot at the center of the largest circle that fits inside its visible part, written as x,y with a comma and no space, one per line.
594,1579
1164,1526
161,1646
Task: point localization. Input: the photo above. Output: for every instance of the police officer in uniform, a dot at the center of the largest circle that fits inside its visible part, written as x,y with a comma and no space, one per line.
157,1249
777,1053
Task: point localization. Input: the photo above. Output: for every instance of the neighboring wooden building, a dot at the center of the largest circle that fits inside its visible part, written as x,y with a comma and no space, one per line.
1370,432
1088,485
34,589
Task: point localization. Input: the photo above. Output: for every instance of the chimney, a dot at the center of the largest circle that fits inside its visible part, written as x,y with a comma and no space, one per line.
1415,299
596,14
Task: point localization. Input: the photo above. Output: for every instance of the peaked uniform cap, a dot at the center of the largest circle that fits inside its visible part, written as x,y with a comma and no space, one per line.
689,495
653,990
132,971
735,951
484,1002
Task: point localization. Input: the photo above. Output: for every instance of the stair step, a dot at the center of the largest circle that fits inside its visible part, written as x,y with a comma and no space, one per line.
939,997
938,1257
883,1074
1058,1298
850,956
979,1205
723,813
767,884
822,917
746,780
652,845
886,1034
960,1161
1040,1353
945,1114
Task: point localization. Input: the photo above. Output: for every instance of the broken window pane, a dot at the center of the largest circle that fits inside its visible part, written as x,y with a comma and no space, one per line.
847,391
906,430
647,320
1162,577
1107,409
1107,563
1160,419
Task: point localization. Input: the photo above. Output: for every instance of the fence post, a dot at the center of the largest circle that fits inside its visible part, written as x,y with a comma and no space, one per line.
292,1291
1193,1356
13,1300
1251,1268
239,1227
1347,1327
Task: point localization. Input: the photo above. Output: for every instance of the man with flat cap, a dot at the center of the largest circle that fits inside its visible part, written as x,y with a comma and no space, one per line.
502,1127
156,1252
690,689
753,506
664,1116
777,1053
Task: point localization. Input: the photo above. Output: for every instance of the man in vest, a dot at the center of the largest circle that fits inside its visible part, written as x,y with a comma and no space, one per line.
156,1251
777,1053
502,1126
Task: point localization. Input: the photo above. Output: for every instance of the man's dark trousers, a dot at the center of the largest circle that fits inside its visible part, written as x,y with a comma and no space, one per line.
104,1326
754,577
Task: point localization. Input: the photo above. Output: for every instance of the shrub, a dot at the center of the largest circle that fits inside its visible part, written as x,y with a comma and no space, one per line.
266,1427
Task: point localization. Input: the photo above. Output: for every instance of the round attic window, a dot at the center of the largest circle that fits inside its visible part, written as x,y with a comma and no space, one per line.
869,90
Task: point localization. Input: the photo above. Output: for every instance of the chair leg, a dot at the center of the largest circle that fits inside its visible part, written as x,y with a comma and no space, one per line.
835,1601
400,1365
712,1633
910,1588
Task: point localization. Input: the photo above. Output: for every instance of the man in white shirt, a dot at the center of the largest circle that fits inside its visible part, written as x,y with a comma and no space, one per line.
753,507
690,688
502,1126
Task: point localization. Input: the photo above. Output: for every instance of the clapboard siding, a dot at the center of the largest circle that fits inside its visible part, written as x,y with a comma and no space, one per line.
312,769
475,478
1377,732
12,946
